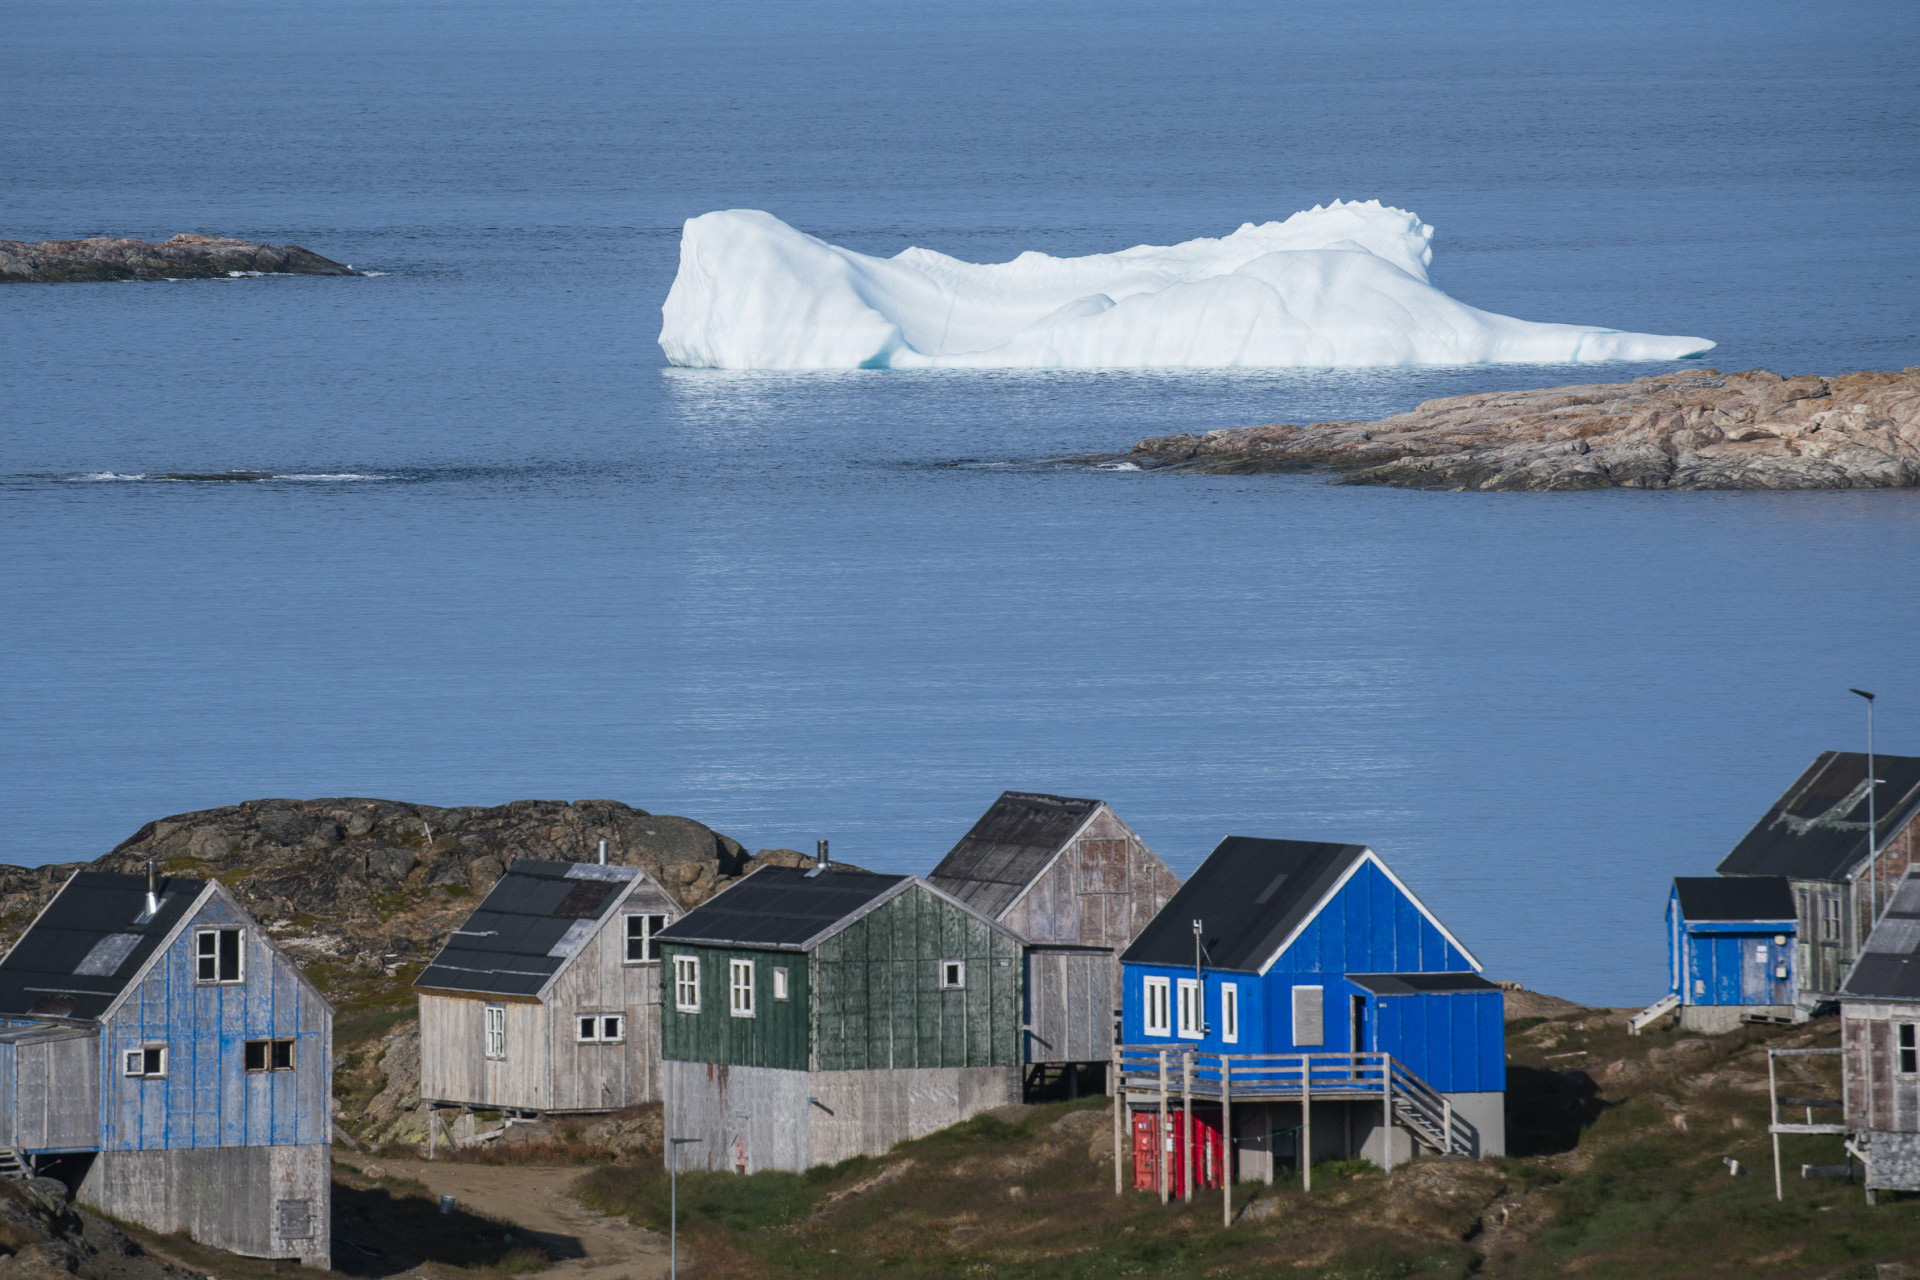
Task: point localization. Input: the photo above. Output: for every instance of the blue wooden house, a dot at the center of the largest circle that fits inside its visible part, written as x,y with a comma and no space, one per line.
1732,943
160,1054
1299,998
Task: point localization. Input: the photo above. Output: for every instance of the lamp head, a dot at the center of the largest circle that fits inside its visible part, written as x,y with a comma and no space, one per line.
1861,693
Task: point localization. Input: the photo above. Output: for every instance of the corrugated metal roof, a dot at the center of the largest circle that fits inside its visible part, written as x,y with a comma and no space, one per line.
529,926
89,944
1407,984
1889,965
1011,844
1249,895
1818,829
1735,898
781,907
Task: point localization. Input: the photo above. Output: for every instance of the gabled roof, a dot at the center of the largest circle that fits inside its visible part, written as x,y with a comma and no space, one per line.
536,918
1889,965
1013,842
90,943
784,908
1768,898
1250,895
1818,829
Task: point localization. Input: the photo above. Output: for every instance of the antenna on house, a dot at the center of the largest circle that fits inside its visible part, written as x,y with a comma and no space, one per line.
603,853
1199,982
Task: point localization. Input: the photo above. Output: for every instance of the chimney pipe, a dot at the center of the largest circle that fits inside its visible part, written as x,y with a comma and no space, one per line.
820,852
153,897
603,853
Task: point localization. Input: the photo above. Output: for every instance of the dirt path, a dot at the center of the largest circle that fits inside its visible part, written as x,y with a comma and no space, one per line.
589,1246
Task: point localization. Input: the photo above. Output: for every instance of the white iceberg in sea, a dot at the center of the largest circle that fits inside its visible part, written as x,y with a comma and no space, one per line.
1340,285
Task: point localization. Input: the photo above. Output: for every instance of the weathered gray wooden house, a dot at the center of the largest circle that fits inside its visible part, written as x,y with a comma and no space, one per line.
1816,836
548,998
816,1015
1880,1046
159,1053
1077,885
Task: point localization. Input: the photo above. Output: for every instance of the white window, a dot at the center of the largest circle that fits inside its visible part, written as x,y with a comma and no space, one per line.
1193,1018
586,1028
1309,1016
953,973
149,1062
740,988
1230,1012
496,1020
1154,1011
780,983
686,983
598,1028
642,929
1906,1047
218,955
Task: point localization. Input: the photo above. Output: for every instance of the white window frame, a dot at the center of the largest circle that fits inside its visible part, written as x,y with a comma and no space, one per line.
1192,1009
1829,917
201,956
780,982
686,984
1906,1048
953,975
740,988
1156,1007
136,1059
599,1028
1293,1028
649,930
613,1028
494,1027
1230,1012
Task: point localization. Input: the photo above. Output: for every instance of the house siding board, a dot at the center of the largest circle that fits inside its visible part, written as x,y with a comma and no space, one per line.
1452,1040
777,1036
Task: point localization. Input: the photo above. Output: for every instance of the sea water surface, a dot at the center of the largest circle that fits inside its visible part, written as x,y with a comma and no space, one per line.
491,548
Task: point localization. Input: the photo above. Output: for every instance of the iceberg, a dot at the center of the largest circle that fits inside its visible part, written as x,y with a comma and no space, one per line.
1339,285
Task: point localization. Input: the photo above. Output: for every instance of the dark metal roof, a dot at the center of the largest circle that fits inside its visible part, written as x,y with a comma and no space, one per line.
89,944
1407,984
529,926
1011,844
1249,895
781,907
1818,829
1735,898
1889,965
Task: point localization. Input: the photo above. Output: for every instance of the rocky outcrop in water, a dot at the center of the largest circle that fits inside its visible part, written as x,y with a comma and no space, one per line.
1698,429
184,257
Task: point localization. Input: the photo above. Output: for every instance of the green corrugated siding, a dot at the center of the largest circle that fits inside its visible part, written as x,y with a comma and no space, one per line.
878,999
776,1036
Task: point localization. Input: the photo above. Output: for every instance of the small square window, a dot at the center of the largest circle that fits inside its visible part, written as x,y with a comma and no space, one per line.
146,1063
953,973
254,1055
686,984
740,987
267,1055
496,1031
610,1029
779,983
588,1028
282,1053
1906,1043
217,955
642,930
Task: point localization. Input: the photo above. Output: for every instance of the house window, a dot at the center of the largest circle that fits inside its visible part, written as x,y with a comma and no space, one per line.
267,1055
1154,993
1830,918
1906,1047
149,1062
1309,1016
496,1023
686,983
598,1028
953,973
1230,1012
1193,1018
780,983
641,931
217,955
740,988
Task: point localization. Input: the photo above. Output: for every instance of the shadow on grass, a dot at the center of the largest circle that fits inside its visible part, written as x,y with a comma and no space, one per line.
377,1233
1547,1111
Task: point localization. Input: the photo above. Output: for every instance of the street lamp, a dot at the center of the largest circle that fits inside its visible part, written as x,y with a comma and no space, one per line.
673,1212
1873,829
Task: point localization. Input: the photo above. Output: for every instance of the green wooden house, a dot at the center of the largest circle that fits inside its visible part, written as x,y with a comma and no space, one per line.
809,1016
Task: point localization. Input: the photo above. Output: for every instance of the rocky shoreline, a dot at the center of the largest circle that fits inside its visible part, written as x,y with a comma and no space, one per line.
1697,429
184,257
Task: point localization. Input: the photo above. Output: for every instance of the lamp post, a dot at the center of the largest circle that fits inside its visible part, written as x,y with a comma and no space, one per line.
673,1212
1873,828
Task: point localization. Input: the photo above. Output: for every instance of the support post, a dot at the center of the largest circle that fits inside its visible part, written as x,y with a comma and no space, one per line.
1185,1128
1226,1139
1446,1125
433,1130
1162,1138
1386,1109
1116,1081
1773,1130
1306,1122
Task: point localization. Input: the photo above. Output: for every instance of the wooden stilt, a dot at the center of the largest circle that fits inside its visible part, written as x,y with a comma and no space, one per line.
1185,1127
1116,1081
1773,1121
1306,1124
1163,1140
1386,1111
1226,1140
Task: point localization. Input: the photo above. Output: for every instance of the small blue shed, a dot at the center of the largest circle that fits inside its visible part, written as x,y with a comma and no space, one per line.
1299,967
1732,944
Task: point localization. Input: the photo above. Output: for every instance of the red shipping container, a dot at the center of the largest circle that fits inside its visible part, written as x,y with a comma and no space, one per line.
1195,1150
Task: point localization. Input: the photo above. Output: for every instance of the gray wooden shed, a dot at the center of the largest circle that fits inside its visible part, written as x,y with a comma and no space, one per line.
1880,1045
1077,885
548,998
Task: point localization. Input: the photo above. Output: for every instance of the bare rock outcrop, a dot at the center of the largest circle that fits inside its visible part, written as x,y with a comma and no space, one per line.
1698,429
45,1236
184,257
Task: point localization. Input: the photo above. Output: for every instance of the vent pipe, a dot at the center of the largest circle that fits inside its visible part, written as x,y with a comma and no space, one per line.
603,853
820,852
153,897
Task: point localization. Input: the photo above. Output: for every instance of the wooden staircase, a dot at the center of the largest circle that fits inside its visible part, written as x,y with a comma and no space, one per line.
1652,1013
1428,1116
15,1165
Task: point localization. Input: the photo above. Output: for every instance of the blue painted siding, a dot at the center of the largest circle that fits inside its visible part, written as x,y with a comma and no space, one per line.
208,1098
1729,962
1371,927
1455,1041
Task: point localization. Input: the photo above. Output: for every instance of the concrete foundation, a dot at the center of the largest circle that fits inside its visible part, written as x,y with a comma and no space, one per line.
264,1202
1718,1019
753,1118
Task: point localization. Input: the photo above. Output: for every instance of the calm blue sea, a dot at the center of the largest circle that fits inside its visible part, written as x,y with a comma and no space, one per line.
851,606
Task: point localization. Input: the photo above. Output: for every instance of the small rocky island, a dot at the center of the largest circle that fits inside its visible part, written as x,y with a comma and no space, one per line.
1699,429
184,257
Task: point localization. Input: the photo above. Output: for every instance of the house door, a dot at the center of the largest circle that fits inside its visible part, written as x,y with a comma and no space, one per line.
1361,1032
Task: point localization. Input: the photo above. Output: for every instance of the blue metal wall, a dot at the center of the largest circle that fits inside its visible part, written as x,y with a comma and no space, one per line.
1730,962
208,1099
1455,1041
